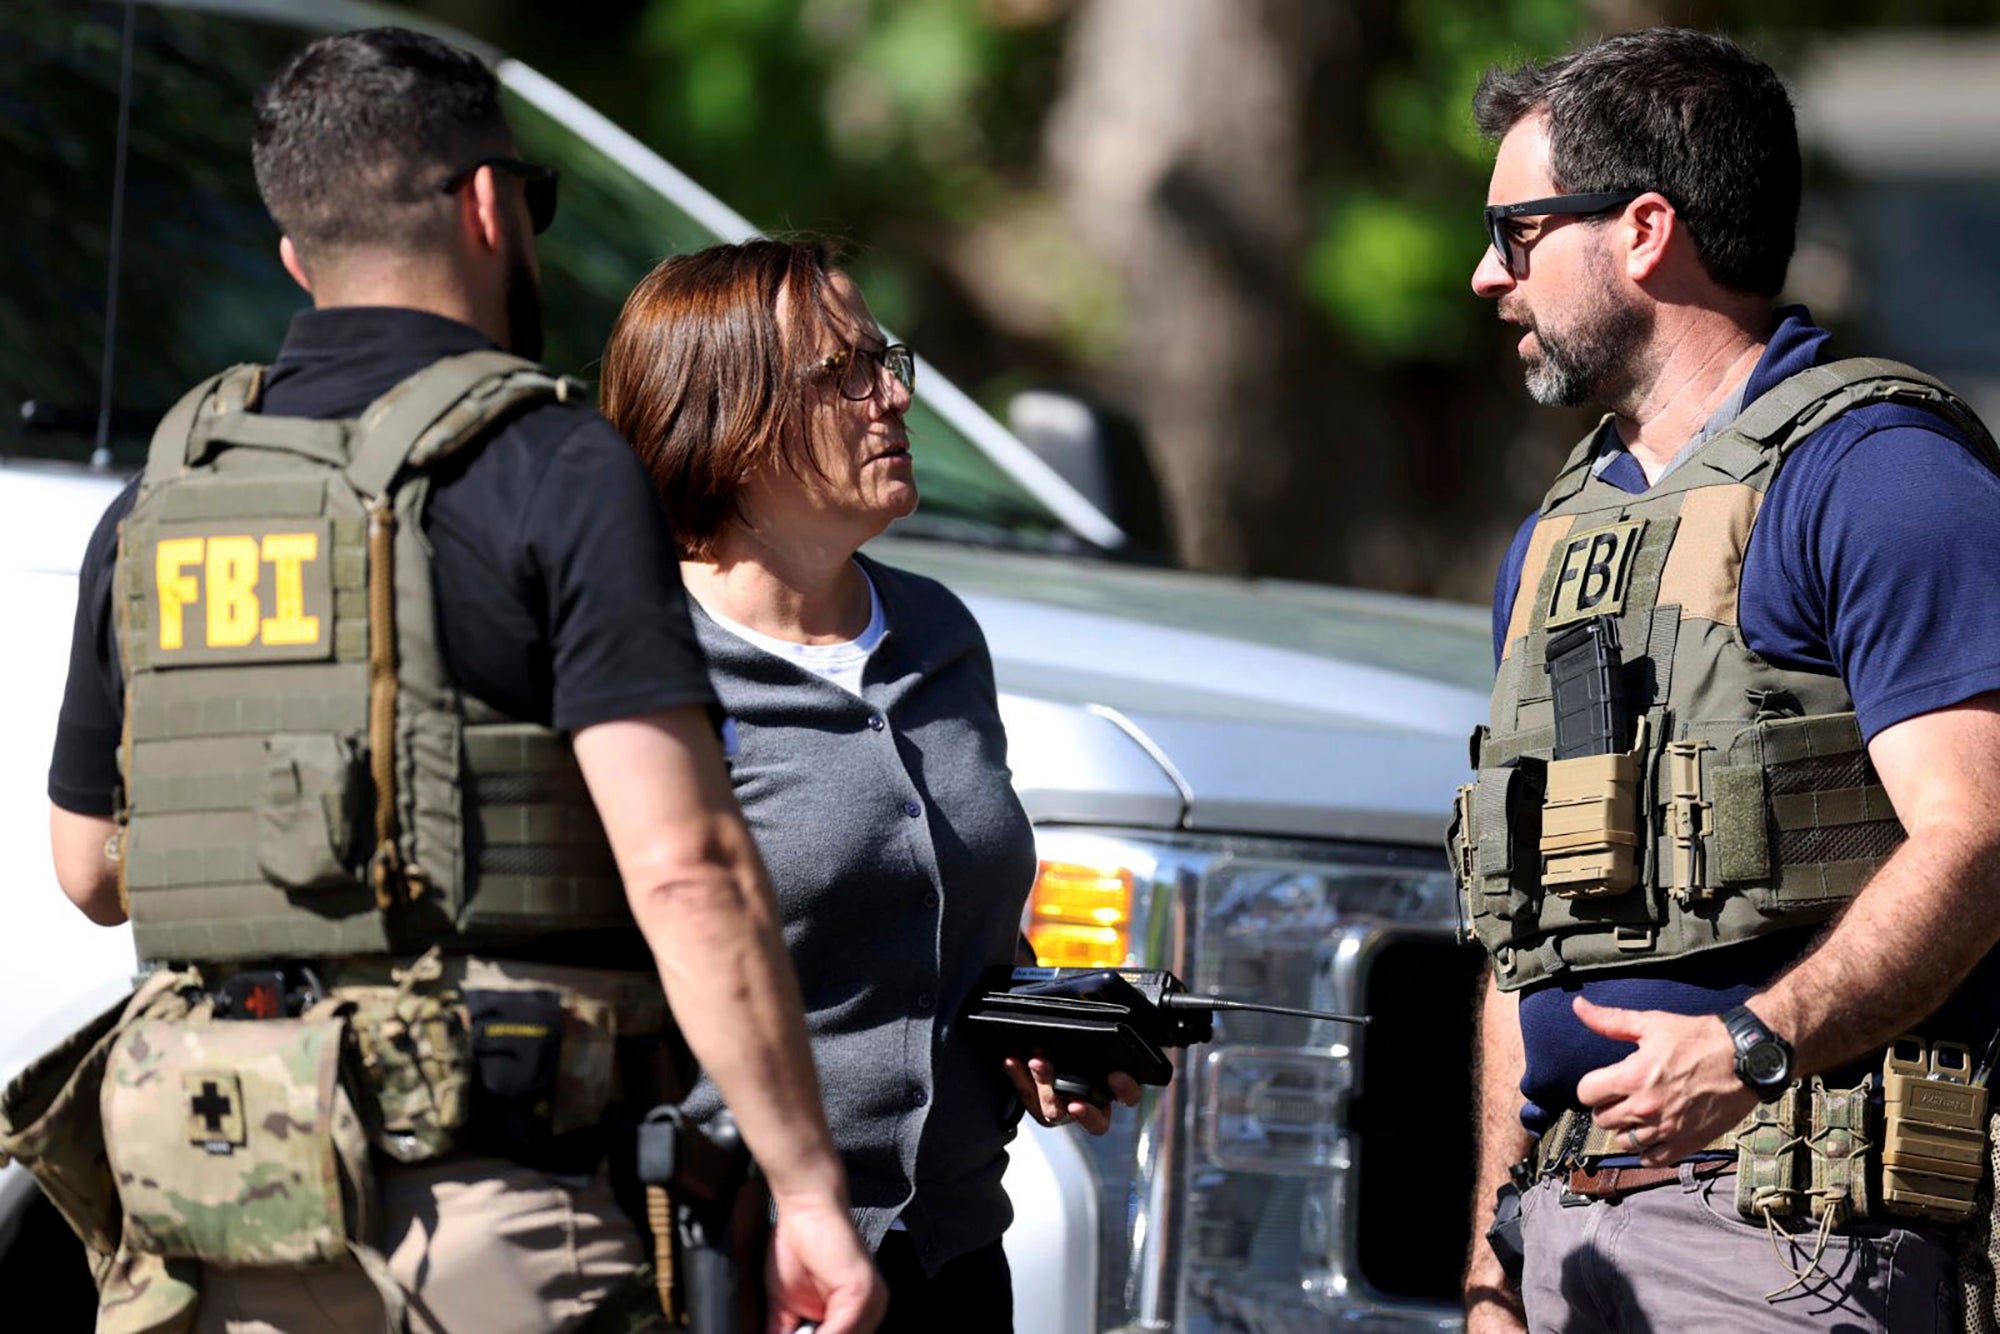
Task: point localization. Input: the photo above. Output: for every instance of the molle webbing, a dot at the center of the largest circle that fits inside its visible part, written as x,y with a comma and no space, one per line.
1758,809
542,859
301,777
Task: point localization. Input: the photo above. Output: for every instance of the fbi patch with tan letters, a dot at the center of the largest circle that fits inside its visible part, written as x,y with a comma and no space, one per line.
1593,569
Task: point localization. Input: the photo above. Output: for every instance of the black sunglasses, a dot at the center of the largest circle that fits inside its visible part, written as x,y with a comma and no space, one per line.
1514,253
538,181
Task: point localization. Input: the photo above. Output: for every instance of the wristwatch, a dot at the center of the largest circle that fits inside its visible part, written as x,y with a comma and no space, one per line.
1763,1059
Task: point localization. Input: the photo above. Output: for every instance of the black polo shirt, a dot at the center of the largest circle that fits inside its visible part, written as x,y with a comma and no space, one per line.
558,586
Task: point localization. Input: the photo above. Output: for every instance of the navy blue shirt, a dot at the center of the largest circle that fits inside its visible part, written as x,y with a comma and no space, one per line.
1875,558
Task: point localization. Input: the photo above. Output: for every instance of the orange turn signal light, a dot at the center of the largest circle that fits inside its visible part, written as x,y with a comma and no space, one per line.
1078,915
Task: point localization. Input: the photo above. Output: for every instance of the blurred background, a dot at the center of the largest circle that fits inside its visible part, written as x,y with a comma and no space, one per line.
1240,229
1245,227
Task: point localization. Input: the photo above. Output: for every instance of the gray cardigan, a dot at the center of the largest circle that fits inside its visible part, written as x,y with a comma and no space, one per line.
901,860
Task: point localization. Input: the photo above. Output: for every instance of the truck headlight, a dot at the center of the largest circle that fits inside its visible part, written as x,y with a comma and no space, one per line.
1236,1182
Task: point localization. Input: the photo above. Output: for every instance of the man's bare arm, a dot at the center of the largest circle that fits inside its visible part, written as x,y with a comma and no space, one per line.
1929,915
699,893
88,877
1902,946
698,890
1491,1301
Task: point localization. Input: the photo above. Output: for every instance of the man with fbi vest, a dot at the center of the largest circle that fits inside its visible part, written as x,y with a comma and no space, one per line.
1732,833
387,729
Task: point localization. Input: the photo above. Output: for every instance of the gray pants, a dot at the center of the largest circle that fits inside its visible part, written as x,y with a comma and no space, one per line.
1679,1257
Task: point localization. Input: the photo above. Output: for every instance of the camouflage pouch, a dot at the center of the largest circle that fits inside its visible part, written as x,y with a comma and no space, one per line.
1767,1158
50,1124
417,1059
1839,1147
235,1143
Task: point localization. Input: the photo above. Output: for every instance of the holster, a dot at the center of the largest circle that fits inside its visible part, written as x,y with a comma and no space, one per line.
1505,1237
708,1217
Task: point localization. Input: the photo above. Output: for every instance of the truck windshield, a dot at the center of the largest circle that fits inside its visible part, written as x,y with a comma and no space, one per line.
199,285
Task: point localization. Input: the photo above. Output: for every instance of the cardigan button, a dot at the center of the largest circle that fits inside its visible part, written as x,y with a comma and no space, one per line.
911,809
876,722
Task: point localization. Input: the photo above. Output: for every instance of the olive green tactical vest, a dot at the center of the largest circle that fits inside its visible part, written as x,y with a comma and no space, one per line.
301,778
1747,804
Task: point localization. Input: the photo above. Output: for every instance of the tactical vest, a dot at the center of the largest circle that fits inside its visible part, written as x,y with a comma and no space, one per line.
1746,803
301,778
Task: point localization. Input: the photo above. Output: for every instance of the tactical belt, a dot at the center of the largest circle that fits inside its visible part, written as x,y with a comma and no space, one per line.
1573,1149
1919,1150
465,1052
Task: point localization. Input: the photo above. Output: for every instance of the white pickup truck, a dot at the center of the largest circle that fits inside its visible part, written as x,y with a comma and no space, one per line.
1256,770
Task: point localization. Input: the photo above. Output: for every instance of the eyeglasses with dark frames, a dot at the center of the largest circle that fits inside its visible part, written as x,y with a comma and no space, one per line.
538,181
1513,251
858,370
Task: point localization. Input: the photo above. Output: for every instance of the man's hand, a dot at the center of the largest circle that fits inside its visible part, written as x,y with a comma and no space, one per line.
1672,1096
819,1271
1035,1085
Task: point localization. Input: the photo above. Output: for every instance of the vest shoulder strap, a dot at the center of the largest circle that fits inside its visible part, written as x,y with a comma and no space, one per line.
443,408
1787,414
1793,409
1576,469
180,433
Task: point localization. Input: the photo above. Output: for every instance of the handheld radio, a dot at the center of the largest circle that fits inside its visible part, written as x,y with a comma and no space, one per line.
1088,1022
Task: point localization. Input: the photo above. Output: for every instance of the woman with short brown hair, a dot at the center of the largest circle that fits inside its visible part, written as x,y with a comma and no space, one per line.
869,756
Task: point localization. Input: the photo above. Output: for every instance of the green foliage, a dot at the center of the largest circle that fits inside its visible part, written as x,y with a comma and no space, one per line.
838,114
1399,233
1391,272
905,126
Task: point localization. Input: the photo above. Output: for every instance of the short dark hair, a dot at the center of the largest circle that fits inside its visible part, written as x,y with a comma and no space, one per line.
1689,114
706,382
357,134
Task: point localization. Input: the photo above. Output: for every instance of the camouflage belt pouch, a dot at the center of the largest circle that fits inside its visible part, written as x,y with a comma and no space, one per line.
234,1142
1767,1157
418,1061
1839,1147
50,1123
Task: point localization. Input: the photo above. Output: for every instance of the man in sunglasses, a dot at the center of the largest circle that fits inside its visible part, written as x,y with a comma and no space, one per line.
385,697
1732,829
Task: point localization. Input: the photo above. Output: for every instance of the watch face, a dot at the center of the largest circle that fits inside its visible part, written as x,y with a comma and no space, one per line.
1765,1063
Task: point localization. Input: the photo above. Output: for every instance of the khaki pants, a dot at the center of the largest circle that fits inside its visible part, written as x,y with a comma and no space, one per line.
481,1245
1679,1257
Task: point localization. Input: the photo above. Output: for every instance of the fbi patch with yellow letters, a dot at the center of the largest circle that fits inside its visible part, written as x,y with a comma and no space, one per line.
236,592
1592,571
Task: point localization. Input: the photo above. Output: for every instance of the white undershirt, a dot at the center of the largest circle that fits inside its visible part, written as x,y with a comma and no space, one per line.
840,663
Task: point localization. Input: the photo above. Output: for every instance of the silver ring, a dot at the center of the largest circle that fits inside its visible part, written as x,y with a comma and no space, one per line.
1633,1142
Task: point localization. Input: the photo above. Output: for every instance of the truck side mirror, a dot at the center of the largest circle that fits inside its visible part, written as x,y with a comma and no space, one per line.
1102,454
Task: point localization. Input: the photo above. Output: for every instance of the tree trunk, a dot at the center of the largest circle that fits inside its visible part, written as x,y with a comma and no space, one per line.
1179,149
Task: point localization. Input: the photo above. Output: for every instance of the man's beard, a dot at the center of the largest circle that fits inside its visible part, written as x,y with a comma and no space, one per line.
524,309
1591,361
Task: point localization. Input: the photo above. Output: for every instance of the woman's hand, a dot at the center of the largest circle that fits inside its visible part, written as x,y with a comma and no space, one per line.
1035,1084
